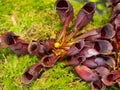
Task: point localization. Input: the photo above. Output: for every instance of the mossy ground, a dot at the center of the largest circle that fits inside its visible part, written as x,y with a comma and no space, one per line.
33,19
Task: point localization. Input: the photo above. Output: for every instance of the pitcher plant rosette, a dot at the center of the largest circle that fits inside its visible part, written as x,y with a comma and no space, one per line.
90,54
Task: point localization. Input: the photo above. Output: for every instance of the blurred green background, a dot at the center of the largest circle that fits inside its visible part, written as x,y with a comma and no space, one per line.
33,19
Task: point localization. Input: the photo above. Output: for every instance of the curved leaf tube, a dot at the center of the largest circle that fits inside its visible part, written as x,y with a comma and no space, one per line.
31,73
84,16
85,73
111,78
49,60
76,48
12,41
